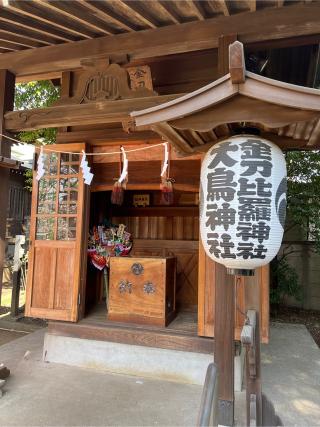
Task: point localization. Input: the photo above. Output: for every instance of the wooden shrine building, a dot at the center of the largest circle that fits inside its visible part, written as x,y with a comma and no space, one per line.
134,74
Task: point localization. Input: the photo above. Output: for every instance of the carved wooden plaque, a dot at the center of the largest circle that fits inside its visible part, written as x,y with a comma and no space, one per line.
102,81
140,77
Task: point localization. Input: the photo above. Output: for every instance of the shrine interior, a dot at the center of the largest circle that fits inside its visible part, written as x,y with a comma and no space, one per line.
156,230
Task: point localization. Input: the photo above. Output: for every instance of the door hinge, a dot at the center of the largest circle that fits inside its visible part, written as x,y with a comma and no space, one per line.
79,299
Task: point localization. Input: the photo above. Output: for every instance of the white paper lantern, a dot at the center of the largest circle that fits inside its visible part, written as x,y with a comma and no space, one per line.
243,202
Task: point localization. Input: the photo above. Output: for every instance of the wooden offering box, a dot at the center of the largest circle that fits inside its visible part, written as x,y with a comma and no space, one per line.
142,290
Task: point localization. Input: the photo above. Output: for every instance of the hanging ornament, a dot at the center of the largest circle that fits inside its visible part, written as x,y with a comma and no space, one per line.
87,175
40,165
166,183
118,188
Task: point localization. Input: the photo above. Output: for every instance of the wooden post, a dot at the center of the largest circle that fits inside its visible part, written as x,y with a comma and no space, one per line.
224,344
224,302
7,83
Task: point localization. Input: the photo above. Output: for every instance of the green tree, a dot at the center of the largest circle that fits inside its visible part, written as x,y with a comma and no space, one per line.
36,94
303,212
303,198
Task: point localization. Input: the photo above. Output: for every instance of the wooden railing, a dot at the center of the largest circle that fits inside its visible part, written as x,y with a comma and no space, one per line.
260,410
250,338
208,413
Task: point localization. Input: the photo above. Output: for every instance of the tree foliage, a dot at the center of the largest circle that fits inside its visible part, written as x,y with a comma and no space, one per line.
36,94
303,197
303,212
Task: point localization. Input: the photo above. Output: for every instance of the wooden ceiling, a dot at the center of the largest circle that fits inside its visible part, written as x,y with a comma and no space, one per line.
29,24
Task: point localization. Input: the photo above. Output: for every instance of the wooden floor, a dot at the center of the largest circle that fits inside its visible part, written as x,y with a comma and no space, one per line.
185,321
181,333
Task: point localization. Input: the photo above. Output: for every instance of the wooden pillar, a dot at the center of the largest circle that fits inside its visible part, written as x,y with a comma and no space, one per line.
224,302
7,83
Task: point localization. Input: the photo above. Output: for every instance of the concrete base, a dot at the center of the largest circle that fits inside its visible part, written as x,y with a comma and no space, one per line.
148,362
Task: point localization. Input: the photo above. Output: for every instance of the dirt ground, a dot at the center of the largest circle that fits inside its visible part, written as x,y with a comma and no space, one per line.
309,318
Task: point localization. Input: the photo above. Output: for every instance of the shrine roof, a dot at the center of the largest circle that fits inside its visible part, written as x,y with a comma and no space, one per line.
285,113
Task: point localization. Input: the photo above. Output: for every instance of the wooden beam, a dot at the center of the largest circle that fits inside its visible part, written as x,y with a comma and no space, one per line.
6,162
267,25
7,85
34,77
126,334
107,135
82,114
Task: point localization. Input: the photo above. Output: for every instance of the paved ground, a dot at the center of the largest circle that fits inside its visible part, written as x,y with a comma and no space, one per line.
291,374
49,394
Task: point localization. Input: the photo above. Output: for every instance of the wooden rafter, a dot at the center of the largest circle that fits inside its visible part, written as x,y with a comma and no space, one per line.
219,5
38,13
252,4
74,12
10,45
19,20
27,35
224,7
98,8
196,9
19,40
314,139
166,7
134,7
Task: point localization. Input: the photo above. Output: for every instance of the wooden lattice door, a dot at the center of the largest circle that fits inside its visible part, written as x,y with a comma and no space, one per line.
56,236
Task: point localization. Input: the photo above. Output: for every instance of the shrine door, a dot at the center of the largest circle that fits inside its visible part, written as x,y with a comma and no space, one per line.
57,236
